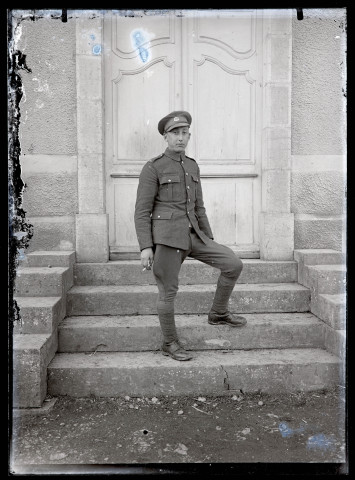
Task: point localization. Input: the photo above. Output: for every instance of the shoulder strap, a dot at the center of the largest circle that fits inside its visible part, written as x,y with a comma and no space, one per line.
152,160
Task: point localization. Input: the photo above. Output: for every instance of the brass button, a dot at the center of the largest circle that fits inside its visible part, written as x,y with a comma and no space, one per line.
186,173
158,216
169,180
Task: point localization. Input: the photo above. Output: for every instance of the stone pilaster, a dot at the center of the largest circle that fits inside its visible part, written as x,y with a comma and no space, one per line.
276,220
91,221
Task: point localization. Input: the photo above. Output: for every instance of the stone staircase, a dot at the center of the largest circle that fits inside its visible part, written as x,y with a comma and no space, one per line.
42,282
109,341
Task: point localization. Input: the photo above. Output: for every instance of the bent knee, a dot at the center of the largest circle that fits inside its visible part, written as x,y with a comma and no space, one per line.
237,267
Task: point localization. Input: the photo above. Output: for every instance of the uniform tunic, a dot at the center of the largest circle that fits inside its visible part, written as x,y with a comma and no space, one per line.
169,201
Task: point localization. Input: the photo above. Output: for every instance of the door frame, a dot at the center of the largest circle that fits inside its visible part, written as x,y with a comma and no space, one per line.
276,222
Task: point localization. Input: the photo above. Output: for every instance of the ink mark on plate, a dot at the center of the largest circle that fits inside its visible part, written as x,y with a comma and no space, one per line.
286,431
139,38
96,49
320,442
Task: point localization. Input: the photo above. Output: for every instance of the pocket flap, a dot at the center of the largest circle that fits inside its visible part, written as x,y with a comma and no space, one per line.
194,177
170,179
161,215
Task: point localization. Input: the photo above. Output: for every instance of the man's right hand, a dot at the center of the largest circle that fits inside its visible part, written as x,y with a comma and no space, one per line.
147,258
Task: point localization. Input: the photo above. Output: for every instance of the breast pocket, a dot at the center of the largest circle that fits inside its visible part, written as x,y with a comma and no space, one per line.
170,188
195,181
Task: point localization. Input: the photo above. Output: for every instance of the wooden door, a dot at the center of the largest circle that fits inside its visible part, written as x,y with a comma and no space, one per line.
206,62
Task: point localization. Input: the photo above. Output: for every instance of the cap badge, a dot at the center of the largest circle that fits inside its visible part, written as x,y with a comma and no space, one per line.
176,119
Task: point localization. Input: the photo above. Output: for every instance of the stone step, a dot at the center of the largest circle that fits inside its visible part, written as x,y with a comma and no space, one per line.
44,258
319,256
208,373
143,333
329,279
31,356
192,272
331,309
39,315
43,281
141,300
308,257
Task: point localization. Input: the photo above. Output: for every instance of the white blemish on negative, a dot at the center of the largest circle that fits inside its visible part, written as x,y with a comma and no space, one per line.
42,87
216,341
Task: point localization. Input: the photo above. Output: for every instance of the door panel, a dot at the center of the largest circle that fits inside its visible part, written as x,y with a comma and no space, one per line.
206,62
224,124
136,95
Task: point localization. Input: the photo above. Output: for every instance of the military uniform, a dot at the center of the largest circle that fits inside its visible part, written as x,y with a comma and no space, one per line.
170,218
169,201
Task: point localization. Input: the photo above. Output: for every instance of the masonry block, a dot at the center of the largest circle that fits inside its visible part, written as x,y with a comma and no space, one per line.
51,194
279,21
278,104
276,190
331,309
90,183
90,136
40,315
316,232
318,193
330,279
92,238
43,258
276,236
52,233
129,272
280,57
210,373
89,76
141,300
31,357
335,342
308,257
88,32
278,141
43,281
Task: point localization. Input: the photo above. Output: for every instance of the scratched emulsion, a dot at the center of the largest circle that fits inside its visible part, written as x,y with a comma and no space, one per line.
20,231
138,39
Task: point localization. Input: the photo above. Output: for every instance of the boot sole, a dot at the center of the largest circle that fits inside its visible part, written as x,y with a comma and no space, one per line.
227,323
174,358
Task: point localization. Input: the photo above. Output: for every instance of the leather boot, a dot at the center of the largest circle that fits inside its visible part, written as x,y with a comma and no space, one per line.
219,314
176,351
226,319
167,320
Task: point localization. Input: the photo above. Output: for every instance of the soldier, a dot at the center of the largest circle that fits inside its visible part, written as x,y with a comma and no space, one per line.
171,224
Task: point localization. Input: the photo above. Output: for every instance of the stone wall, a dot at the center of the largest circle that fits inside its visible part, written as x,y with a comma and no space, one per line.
318,182
48,135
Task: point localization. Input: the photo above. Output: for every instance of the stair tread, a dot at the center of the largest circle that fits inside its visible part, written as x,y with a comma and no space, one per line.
35,270
336,267
190,261
184,288
116,321
37,301
336,298
215,358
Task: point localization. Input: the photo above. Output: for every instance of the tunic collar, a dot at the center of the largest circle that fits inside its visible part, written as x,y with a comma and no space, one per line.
175,156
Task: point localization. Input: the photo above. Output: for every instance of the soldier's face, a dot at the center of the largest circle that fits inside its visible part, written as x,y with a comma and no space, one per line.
177,139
